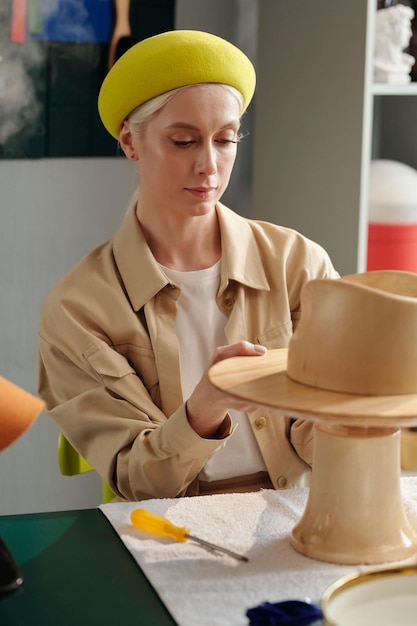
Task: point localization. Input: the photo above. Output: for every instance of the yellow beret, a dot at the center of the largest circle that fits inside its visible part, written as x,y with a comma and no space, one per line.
167,61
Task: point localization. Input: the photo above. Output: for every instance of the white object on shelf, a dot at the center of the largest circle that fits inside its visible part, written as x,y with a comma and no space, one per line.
392,35
392,192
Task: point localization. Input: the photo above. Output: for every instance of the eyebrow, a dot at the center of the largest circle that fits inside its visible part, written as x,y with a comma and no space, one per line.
231,124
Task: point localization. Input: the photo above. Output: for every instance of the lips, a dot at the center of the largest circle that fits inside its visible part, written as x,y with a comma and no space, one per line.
201,192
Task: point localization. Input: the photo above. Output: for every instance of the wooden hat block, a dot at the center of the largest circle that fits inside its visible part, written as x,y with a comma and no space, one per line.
359,394
18,410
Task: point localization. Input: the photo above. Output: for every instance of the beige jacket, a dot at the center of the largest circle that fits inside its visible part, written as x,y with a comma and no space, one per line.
108,355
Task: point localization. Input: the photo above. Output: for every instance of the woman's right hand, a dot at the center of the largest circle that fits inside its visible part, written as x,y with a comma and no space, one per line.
207,406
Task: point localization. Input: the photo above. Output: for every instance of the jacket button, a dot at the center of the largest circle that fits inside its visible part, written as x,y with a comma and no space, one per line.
282,482
229,302
260,422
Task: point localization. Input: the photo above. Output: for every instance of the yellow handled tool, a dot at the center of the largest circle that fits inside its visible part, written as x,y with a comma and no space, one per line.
158,525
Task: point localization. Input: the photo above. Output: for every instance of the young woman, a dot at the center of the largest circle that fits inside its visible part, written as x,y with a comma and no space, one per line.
128,335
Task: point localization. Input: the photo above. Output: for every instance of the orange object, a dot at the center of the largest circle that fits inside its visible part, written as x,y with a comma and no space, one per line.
18,410
392,247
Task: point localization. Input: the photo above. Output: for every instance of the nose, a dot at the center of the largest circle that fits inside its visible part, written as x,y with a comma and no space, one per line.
205,162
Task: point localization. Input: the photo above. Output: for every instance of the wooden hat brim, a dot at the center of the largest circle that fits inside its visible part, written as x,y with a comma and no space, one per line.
263,381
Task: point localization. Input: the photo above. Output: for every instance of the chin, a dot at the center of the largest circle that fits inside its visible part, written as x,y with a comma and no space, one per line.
203,209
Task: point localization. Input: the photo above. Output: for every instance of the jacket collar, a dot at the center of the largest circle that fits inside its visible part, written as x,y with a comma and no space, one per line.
143,278
241,259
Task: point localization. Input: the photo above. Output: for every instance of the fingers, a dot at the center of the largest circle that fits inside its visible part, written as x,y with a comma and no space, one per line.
242,348
207,405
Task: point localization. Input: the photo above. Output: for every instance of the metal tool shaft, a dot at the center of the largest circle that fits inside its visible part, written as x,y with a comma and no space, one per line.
215,548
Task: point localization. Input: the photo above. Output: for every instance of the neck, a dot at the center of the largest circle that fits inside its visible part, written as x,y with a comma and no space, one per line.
187,245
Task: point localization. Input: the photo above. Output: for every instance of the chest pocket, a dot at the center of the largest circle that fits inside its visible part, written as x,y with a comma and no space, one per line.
277,337
107,362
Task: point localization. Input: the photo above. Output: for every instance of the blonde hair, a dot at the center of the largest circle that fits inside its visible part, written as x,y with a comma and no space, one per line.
141,116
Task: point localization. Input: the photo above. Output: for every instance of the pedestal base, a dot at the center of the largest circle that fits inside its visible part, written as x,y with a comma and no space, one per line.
354,513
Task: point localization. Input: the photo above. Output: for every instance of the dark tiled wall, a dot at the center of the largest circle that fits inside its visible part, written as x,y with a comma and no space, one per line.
64,77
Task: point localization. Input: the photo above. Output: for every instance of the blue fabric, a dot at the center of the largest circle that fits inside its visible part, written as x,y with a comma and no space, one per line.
76,20
287,613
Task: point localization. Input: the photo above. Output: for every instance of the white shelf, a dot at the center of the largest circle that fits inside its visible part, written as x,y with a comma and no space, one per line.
381,89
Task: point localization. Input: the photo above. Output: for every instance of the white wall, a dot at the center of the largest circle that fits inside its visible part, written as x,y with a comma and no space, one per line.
309,149
53,211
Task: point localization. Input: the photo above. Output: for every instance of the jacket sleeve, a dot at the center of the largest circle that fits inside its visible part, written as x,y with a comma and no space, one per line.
106,413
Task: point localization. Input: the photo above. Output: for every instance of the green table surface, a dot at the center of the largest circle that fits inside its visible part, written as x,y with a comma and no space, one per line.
76,572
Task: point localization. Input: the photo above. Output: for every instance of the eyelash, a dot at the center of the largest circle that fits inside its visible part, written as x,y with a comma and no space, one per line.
184,144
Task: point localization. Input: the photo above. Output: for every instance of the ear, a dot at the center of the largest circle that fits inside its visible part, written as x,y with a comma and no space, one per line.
126,141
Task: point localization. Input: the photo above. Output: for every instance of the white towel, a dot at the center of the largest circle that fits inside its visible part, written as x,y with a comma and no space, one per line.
200,588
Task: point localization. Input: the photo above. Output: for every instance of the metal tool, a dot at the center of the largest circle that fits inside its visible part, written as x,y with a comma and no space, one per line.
161,526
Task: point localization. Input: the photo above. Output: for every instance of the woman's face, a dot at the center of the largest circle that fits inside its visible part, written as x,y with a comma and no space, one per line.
187,151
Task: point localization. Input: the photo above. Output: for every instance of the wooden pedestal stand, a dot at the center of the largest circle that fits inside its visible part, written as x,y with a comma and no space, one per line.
354,513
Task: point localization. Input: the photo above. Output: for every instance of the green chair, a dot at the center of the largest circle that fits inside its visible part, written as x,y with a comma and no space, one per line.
71,464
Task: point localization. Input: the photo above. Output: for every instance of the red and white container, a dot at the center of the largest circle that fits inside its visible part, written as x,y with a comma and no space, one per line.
392,220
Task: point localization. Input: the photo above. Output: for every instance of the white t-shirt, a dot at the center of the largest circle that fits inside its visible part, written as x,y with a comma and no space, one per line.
199,327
